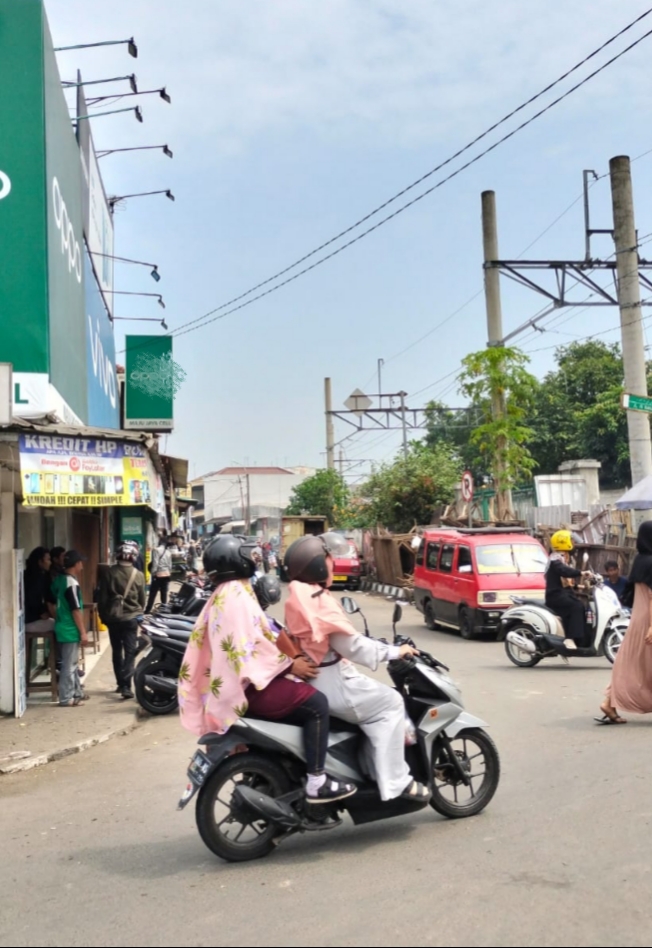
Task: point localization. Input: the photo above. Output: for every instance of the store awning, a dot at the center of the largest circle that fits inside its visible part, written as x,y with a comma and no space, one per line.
178,468
232,525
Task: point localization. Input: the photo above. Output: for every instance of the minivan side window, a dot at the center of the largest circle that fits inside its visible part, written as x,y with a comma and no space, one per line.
446,563
433,555
464,560
421,554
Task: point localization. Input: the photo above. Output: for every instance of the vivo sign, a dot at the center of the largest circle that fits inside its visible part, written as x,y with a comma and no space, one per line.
5,185
69,243
103,368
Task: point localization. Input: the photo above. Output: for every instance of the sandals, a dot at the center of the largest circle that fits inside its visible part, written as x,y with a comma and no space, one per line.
415,791
609,716
331,791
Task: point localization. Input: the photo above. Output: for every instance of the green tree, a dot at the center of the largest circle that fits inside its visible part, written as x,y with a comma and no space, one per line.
455,428
407,491
577,413
497,376
325,494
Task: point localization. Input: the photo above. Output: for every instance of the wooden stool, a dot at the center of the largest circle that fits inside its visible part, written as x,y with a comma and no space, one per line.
93,627
30,639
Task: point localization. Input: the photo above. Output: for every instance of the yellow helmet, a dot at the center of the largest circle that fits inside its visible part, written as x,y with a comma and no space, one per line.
562,541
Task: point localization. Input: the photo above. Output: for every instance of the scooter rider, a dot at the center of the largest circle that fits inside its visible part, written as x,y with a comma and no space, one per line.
233,666
315,619
559,598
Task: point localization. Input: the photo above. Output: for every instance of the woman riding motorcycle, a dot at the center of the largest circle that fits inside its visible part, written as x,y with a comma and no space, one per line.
316,621
559,598
233,666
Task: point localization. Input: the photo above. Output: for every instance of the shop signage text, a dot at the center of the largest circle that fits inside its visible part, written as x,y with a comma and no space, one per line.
5,185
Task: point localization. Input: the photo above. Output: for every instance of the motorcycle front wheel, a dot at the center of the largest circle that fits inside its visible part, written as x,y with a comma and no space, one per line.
479,758
612,641
228,834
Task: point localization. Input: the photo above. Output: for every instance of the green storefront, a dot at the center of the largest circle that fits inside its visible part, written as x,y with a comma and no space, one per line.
42,306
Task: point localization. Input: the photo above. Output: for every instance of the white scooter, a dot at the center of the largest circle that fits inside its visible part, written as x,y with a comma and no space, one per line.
532,632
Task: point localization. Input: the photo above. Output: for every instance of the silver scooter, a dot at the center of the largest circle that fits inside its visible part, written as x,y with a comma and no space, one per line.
249,782
532,632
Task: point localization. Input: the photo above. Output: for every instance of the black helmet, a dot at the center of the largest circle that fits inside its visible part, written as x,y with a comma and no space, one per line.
268,590
305,560
229,557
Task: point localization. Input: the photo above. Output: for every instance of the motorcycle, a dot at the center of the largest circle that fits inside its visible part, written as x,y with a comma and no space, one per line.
157,673
533,632
249,781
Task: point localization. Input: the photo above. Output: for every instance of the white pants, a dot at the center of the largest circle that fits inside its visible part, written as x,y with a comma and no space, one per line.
380,712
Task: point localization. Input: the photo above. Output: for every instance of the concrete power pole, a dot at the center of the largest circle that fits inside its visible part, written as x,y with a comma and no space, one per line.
494,328
330,428
629,300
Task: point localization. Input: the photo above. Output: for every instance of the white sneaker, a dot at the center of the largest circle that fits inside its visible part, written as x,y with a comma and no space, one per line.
570,644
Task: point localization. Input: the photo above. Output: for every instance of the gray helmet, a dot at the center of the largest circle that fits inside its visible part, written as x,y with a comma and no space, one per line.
305,560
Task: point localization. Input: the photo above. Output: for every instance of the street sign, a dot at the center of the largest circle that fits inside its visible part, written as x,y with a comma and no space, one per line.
358,403
467,487
636,402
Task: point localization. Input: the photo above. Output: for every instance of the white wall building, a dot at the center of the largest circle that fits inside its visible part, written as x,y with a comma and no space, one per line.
265,490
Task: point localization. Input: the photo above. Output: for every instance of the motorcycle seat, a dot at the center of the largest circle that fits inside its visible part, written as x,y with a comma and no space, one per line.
520,601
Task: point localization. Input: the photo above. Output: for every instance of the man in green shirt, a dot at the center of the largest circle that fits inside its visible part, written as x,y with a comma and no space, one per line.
69,628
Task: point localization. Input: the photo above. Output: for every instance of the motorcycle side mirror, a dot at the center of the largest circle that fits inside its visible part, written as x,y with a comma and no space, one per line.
349,605
398,613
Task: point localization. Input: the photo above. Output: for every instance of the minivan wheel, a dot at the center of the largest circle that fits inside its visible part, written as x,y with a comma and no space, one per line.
429,614
466,624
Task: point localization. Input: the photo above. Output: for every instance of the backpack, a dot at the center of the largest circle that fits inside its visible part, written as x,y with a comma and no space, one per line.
113,609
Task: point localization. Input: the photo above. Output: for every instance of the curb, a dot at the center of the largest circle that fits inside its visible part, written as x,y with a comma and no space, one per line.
38,761
382,589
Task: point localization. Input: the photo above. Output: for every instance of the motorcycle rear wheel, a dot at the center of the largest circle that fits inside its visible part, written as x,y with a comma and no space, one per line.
148,699
480,759
226,834
515,655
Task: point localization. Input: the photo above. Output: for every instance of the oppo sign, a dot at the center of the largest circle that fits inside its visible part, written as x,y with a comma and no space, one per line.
5,185
69,244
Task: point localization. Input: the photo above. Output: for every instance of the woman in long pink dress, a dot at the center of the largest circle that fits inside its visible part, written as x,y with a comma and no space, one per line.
631,679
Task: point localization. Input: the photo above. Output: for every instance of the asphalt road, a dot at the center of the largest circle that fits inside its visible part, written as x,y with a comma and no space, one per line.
94,853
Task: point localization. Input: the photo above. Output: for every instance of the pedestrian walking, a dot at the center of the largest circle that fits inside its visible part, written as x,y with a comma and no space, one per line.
161,572
121,602
69,629
631,679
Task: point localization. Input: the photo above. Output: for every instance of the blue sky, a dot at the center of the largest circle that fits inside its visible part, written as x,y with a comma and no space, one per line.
293,118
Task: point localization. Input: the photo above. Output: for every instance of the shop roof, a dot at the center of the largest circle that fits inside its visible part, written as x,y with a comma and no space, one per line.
178,468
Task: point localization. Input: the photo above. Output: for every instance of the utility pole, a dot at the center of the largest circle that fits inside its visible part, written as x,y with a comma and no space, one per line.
381,363
341,462
629,300
248,518
404,421
330,428
495,336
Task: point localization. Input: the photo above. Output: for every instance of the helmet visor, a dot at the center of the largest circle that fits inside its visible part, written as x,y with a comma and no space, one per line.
336,544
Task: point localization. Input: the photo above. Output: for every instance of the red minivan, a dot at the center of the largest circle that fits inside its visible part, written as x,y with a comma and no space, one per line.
464,579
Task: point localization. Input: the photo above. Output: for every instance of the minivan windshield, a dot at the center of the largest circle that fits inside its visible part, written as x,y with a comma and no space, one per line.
511,558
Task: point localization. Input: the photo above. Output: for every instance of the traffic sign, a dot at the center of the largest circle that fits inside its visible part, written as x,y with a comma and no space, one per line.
358,402
636,402
467,487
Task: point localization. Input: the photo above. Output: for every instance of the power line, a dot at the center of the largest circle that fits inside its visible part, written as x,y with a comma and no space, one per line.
206,320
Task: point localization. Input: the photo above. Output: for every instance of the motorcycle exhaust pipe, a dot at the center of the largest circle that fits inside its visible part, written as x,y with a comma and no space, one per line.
521,642
165,686
258,806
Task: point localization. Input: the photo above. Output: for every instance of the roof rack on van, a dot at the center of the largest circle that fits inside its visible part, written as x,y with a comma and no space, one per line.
488,531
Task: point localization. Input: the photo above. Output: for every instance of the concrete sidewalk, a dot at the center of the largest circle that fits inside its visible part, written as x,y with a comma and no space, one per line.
48,732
